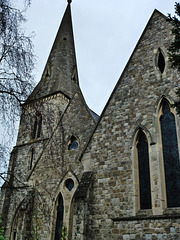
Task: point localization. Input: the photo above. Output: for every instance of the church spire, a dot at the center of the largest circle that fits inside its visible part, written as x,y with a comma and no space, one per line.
60,73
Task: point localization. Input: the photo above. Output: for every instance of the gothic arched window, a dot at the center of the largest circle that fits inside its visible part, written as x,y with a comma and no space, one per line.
144,172
161,61
170,155
59,218
37,126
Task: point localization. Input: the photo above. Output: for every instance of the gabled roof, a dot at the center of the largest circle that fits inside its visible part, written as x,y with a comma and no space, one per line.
122,75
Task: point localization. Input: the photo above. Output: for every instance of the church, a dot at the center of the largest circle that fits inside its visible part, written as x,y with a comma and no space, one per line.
74,175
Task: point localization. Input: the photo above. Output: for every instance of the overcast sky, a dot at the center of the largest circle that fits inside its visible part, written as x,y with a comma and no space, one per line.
106,32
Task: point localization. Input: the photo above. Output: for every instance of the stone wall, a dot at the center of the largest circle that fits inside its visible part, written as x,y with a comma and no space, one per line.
104,202
112,150
53,163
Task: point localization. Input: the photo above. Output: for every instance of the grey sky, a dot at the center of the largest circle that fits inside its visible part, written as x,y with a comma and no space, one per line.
106,32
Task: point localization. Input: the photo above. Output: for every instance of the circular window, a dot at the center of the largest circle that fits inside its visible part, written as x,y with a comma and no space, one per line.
69,183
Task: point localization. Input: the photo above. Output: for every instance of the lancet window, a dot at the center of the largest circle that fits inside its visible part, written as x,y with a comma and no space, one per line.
31,158
144,171
37,126
59,218
170,155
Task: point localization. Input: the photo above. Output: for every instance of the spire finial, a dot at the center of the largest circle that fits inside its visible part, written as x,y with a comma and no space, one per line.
69,1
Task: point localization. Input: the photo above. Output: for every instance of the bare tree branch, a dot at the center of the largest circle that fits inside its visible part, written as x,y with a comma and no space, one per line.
16,65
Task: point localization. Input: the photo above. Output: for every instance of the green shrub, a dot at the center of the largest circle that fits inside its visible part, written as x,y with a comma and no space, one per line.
1,230
64,233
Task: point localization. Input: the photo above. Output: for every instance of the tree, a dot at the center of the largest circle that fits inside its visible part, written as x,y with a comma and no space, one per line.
16,65
174,49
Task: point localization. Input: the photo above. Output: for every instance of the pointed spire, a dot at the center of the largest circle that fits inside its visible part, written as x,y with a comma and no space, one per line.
60,73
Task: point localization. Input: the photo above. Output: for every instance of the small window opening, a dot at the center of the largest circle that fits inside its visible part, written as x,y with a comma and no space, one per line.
47,73
161,62
14,236
31,158
37,126
73,77
34,129
69,183
73,143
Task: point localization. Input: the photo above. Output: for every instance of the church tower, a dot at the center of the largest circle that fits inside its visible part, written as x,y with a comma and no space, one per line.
45,170
75,176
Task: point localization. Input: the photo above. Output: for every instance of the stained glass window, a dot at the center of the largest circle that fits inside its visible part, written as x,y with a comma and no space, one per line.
170,155
144,172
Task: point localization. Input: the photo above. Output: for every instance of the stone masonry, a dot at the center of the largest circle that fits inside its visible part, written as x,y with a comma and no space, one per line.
72,171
